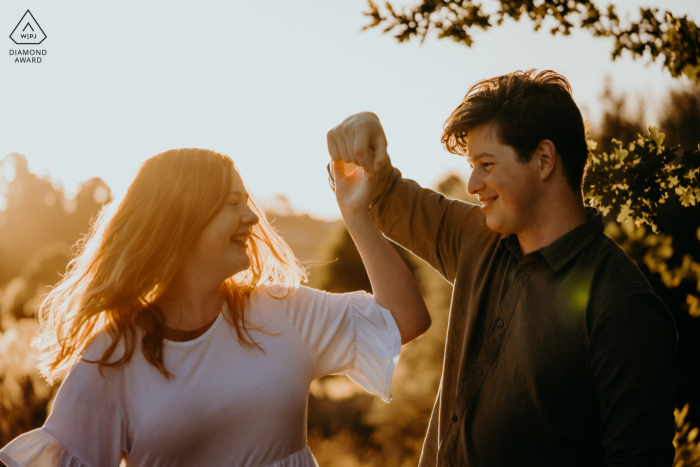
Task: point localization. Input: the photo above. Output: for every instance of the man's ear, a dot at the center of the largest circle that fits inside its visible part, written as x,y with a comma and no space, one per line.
546,154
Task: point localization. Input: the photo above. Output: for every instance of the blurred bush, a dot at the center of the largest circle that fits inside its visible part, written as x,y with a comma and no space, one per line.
686,441
24,396
38,225
35,212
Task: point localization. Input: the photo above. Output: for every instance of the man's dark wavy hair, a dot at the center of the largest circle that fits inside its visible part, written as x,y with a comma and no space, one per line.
525,107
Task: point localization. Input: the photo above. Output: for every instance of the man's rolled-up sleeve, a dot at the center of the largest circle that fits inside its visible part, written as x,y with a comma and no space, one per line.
425,222
631,354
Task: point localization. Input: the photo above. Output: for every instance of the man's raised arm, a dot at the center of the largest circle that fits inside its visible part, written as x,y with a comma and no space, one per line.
427,223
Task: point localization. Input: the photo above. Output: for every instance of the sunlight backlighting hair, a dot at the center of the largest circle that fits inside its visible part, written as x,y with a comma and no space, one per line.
133,251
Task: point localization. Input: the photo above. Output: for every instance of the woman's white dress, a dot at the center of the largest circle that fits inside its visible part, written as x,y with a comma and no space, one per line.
225,404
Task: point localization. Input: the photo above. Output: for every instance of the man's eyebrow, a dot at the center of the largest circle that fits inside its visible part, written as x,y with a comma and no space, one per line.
477,157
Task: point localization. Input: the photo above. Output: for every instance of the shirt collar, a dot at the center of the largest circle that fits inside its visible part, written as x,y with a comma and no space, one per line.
563,249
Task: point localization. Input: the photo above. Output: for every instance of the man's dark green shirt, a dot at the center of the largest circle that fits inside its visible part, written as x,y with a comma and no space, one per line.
561,357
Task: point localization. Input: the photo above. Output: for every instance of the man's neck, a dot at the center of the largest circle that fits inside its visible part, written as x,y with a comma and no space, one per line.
555,221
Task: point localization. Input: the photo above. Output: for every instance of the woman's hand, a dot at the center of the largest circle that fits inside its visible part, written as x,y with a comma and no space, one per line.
353,191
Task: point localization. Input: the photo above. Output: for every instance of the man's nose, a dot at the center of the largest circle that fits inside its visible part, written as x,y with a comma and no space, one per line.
475,183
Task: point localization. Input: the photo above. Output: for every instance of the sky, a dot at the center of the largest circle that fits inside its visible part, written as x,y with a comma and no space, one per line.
264,82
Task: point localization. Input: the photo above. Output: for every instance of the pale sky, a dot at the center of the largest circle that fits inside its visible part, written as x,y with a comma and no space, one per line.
263,82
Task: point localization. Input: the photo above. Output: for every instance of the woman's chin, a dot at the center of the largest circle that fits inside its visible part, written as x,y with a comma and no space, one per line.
240,268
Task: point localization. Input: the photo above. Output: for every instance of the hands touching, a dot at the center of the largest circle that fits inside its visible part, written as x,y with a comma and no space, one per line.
359,139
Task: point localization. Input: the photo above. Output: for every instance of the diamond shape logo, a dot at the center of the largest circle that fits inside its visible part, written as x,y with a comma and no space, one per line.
28,31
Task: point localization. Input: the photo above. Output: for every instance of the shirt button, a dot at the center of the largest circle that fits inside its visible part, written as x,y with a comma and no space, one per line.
479,372
454,418
499,323
521,274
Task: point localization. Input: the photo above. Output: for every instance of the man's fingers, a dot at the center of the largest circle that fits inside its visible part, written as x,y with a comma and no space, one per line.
359,139
350,150
362,151
333,149
335,137
380,155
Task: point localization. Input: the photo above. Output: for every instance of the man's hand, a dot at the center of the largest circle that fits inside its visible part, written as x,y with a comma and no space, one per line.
360,140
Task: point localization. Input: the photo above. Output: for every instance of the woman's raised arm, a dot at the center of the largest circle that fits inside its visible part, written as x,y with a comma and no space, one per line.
393,286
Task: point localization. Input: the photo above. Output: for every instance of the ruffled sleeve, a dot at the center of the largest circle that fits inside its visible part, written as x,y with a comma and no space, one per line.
347,334
38,448
86,426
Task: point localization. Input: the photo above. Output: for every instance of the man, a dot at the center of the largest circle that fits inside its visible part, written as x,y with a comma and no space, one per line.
558,352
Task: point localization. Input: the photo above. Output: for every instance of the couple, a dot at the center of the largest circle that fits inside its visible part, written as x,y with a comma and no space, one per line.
187,339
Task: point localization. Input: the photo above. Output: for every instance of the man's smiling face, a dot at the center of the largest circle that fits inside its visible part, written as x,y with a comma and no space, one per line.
508,188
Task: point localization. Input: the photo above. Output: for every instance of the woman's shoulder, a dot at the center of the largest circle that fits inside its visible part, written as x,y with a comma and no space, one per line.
305,303
276,292
283,295
87,382
100,343
283,299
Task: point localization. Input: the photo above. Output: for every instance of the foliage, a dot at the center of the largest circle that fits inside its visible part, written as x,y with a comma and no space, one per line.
655,251
680,117
344,270
23,294
36,212
676,39
24,395
618,121
685,441
38,223
634,181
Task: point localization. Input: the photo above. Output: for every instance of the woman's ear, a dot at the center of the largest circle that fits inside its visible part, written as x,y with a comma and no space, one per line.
546,153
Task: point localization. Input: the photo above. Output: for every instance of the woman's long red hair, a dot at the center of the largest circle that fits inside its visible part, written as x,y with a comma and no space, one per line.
132,252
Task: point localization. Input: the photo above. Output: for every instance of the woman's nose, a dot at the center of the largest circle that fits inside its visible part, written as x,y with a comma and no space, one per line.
250,217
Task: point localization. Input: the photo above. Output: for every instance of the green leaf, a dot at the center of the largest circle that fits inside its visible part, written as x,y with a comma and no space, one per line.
657,137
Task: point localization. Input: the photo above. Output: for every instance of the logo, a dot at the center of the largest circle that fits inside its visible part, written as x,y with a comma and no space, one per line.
28,31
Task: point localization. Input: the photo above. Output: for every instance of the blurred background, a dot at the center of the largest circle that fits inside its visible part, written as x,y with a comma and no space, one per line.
264,83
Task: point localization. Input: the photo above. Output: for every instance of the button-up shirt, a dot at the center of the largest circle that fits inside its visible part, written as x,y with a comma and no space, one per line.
561,357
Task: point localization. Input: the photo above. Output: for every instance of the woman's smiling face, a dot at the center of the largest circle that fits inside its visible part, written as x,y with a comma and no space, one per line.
221,250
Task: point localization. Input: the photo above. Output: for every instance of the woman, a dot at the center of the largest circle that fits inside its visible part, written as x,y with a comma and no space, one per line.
187,338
